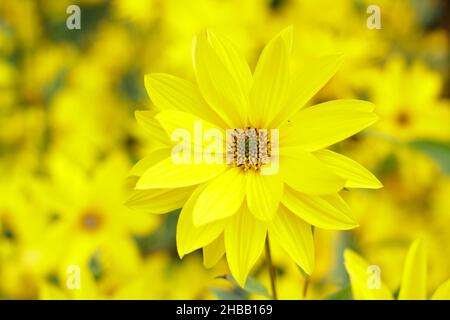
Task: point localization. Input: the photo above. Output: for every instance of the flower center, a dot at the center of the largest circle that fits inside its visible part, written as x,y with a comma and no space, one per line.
91,220
248,149
403,119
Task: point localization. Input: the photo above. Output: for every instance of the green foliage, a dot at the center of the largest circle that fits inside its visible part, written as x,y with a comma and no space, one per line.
387,165
163,238
342,294
438,151
95,266
252,286
226,295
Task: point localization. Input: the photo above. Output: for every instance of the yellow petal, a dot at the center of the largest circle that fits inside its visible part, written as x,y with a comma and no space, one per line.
294,236
442,292
48,291
263,194
159,201
270,84
287,34
216,66
213,252
140,222
190,237
325,124
232,58
306,82
325,212
244,242
146,119
166,174
190,132
356,175
171,120
172,93
414,285
221,198
360,273
305,173
149,161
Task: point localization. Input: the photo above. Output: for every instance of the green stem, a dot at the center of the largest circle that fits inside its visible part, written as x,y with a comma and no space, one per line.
305,287
271,270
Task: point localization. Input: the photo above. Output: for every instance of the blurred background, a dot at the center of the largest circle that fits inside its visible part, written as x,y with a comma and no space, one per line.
68,139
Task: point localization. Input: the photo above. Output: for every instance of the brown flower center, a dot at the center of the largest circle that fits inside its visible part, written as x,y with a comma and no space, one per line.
91,220
403,119
248,149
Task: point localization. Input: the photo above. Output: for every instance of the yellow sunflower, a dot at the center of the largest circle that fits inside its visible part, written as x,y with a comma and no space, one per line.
231,206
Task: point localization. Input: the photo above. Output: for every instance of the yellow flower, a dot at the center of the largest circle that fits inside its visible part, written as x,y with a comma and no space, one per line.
22,224
231,206
408,100
90,223
161,278
413,284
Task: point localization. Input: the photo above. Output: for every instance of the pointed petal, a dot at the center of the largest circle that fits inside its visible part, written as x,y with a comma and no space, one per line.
263,194
414,283
356,175
166,174
172,93
270,83
244,242
306,82
442,292
171,120
219,81
294,236
359,273
190,132
159,201
190,237
221,198
325,212
305,173
146,119
213,252
287,34
149,161
232,58
327,123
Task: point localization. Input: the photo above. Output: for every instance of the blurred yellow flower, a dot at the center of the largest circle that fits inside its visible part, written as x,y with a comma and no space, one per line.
91,224
413,285
408,101
22,224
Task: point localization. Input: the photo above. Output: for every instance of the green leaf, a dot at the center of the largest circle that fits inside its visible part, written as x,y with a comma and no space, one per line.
251,286
163,238
387,165
226,294
131,86
342,294
438,151
52,88
95,266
